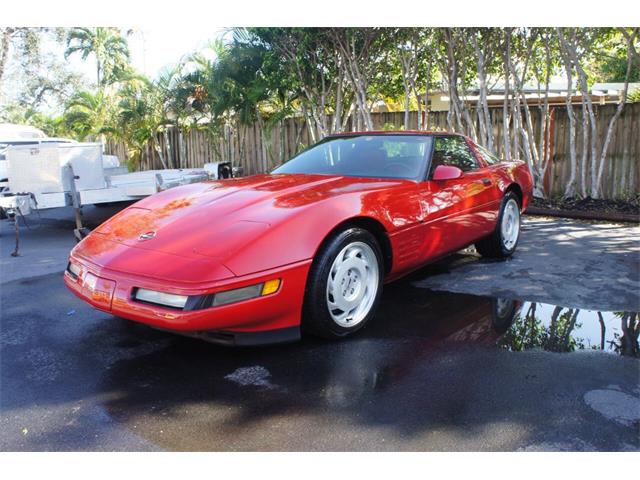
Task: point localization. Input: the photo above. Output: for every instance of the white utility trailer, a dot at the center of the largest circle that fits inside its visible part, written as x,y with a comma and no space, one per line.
46,176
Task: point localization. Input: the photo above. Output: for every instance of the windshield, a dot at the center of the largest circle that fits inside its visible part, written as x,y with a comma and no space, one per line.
378,156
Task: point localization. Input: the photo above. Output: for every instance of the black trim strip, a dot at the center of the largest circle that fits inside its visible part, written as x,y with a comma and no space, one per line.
198,302
245,339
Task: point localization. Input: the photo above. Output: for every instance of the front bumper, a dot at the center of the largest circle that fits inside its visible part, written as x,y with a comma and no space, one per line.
234,323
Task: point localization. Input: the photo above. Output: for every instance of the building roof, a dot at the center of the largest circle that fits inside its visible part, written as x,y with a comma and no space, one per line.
614,87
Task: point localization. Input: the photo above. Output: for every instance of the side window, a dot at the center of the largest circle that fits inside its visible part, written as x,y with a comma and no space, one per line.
453,151
489,157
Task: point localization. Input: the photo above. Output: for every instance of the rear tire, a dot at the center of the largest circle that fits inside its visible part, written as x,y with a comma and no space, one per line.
502,243
504,312
344,284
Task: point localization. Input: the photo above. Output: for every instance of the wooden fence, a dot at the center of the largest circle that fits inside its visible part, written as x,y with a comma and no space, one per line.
259,150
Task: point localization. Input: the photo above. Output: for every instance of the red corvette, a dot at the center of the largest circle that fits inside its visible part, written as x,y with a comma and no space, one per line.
306,248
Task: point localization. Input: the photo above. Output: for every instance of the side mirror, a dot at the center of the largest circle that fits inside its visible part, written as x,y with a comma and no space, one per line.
446,172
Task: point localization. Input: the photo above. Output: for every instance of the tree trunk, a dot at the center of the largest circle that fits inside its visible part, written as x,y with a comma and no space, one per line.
406,67
158,150
603,330
614,119
170,160
4,50
569,190
585,150
482,109
337,116
524,127
358,81
566,335
506,128
544,144
181,147
571,55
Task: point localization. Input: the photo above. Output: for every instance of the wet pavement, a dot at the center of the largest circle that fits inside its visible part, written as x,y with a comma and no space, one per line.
45,240
434,370
563,262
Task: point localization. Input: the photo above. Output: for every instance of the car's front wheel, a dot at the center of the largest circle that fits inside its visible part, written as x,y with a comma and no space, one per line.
344,284
504,239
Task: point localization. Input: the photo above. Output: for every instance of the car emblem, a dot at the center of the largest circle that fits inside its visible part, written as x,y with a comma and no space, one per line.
146,236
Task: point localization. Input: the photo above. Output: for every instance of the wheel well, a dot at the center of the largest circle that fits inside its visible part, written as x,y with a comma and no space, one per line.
515,188
376,229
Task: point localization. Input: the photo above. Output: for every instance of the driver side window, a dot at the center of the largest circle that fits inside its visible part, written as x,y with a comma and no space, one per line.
453,151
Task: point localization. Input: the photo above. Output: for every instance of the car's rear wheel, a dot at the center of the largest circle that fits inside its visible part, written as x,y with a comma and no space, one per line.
344,284
504,239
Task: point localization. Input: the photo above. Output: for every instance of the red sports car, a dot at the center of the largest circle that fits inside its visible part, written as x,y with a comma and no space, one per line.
306,248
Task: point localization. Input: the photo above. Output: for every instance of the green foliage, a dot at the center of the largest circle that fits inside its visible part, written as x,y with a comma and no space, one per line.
388,127
90,115
530,332
610,62
634,96
106,45
39,80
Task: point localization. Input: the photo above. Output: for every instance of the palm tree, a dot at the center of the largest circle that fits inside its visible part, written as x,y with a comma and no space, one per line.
90,114
106,44
146,111
135,126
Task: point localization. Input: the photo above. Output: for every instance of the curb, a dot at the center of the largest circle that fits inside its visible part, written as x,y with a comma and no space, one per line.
580,215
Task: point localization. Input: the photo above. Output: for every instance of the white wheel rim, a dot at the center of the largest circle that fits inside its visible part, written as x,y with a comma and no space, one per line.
510,227
352,284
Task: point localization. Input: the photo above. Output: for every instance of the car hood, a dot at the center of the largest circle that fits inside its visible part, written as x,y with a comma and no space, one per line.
215,220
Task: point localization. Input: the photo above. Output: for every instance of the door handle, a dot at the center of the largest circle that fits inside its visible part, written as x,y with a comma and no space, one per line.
486,182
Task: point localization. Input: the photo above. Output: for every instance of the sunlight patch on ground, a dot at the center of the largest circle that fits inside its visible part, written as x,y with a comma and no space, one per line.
614,405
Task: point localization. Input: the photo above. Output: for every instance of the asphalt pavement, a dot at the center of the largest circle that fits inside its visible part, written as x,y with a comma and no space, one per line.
536,353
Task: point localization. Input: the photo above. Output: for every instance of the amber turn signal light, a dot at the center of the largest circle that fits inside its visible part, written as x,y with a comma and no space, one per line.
270,286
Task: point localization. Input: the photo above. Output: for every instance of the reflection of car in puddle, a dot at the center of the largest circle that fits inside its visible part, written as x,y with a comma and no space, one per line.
444,316
448,319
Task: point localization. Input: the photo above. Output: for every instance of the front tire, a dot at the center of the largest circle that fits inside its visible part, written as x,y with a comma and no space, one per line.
344,284
502,243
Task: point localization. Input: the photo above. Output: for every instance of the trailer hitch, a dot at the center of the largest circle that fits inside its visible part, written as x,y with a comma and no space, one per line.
80,231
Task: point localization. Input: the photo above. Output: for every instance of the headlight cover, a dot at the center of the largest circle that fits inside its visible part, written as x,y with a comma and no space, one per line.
237,295
161,298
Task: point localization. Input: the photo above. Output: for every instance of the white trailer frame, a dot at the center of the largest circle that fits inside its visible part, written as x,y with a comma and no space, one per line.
60,175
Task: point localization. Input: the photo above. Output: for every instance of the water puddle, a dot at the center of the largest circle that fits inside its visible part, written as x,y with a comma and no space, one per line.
515,325
563,329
